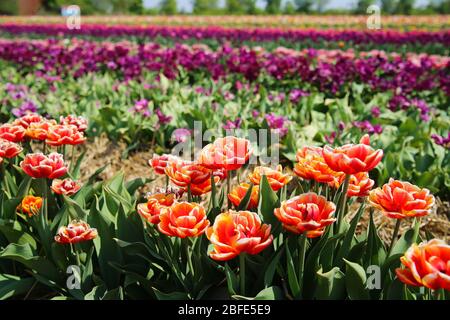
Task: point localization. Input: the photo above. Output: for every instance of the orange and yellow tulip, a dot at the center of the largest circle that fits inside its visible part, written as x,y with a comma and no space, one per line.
238,193
398,200
239,232
76,231
426,264
30,205
183,219
39,130
311,166
307,213
151,210
276,178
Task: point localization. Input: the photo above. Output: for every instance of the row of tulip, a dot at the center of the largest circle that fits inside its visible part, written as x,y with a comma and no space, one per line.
330,180
415,22
325,70
235,34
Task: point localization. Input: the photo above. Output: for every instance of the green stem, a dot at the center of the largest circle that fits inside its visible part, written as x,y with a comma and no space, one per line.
242,257
44,148
45,199
72,158
342,202
213,192
189,193
301,259
229,187
394,236
77,255
186,244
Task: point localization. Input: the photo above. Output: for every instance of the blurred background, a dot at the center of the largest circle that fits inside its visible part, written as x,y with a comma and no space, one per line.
215,7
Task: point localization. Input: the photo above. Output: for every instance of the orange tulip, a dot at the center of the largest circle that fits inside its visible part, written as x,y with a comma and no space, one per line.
426,264
28,119
276,178
76,231
159,163
151,210
183,173
238,193
66,187
307,213
229,153
398,200
311,166
39,130
237,232
60,134
80,122
352,158
202,188
9,149
30,205
11,132
183,219
359,184
37,165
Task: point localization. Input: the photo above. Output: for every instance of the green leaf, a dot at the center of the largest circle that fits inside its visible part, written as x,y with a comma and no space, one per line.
271,268
271,293
330,285
246,199
232,280
268,202
292,275
11,286
15,232
355,281
170,296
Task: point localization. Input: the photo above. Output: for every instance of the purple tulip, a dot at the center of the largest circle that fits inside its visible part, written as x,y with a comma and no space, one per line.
181,135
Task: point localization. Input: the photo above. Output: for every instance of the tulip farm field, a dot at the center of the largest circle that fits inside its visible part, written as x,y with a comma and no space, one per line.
233,158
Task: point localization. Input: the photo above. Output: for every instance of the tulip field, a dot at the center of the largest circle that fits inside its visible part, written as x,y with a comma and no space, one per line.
247,159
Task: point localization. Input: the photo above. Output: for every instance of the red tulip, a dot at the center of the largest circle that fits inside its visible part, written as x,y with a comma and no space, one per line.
38,165
237,232
80,122
76,231
159,163
9,149
11,132
66,187
307,213
183,219
60,135
359,184
28,119
426,264
229,153
352,158
183,173
398,200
